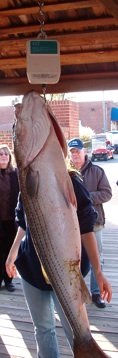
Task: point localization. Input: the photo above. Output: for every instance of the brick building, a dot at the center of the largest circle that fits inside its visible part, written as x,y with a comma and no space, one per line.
96,115
69,115
6,122
66,112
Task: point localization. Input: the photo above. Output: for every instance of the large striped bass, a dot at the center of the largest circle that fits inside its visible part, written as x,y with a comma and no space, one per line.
50,207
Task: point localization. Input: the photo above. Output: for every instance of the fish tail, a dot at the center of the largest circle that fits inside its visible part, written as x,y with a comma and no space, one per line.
88,350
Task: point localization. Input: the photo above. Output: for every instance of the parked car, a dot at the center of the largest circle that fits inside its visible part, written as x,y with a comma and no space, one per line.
100,149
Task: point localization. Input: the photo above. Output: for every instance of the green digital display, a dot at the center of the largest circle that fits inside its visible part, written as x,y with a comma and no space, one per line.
42,47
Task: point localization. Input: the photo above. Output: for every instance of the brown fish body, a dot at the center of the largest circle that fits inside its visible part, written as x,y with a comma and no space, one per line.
50,207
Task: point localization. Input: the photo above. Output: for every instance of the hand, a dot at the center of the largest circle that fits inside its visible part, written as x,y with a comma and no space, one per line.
10,266
104,286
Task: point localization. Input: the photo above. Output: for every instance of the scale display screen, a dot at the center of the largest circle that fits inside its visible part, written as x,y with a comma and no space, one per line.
43,47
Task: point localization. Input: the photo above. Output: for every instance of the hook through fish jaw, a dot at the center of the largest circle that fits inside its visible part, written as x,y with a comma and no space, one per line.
44,91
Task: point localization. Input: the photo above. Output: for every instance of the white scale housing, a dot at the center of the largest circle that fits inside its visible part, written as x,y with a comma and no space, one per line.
43,61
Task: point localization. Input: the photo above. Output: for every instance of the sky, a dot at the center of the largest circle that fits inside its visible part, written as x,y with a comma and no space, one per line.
75,96
94,96
7,100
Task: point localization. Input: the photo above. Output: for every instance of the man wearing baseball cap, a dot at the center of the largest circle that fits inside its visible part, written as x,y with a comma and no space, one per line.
75,143
99,188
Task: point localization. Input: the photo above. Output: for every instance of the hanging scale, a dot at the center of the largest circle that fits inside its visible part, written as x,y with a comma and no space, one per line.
43,57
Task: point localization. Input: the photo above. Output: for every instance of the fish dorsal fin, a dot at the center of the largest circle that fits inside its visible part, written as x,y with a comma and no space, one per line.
58,131
71,193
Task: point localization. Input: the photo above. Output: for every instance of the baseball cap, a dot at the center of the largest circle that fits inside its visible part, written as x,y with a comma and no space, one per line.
75,143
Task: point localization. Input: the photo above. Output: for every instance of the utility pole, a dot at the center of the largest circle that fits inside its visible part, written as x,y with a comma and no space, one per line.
104,113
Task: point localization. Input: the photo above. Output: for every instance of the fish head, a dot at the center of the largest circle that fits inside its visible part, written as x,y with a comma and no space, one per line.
31,128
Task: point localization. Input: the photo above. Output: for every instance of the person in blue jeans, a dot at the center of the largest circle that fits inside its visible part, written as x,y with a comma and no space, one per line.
40,297
9,189
99,188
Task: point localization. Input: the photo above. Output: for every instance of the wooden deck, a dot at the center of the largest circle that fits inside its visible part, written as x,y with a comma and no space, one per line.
16,330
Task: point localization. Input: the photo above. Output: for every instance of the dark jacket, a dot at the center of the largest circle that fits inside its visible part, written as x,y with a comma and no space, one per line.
98,186
14,190
27,261
9,189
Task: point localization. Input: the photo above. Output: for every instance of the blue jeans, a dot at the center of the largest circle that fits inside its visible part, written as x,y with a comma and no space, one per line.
93,283
41,306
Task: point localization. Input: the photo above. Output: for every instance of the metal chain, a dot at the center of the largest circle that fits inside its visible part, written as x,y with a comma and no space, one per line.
42,33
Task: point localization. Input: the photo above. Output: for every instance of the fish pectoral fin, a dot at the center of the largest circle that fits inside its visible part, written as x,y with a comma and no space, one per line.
66,189
32,182
84,291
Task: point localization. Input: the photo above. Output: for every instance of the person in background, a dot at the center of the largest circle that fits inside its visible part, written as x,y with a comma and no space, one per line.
39,295
9,189
99,188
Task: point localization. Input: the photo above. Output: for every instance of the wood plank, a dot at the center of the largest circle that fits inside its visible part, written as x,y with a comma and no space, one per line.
49,8
59,27
78,76
95,38
16,327
66,60
111,6
64,85
63,17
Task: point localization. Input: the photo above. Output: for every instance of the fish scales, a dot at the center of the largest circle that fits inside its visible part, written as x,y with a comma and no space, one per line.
50,207
49,259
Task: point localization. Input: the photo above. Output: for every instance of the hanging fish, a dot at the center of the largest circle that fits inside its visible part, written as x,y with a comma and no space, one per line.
50,207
